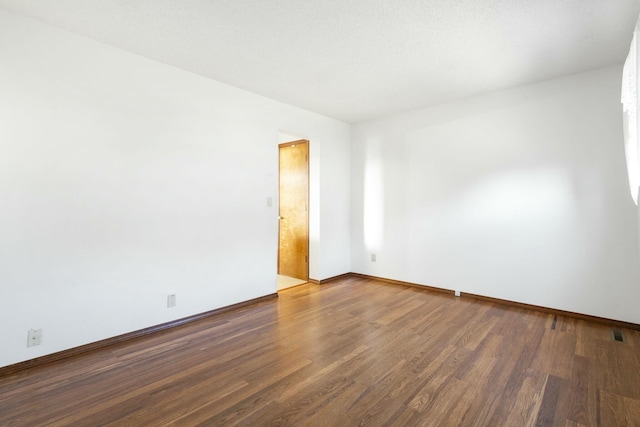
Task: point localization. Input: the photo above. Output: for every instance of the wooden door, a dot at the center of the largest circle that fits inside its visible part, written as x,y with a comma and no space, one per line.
293,247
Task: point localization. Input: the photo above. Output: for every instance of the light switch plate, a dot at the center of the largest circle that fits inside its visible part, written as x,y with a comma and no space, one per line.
171,300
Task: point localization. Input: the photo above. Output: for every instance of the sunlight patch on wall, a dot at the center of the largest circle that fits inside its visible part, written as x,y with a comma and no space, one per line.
373,212
629,98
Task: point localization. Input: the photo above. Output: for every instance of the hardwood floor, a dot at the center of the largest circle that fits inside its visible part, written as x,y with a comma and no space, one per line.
351,352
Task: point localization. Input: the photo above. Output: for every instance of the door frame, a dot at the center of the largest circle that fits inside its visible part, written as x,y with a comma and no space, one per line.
280,146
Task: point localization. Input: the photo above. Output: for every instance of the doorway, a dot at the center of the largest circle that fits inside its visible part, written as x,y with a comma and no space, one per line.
293,214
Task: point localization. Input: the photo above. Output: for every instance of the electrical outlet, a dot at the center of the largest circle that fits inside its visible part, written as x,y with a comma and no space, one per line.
34,337
171,300
373,257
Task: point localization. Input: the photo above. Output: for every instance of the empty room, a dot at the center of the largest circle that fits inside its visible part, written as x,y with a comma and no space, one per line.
262,213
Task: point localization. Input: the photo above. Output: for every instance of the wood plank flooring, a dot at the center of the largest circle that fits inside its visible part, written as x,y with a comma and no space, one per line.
348,353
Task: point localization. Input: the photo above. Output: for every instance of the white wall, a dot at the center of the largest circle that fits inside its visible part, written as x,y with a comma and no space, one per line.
637,30
123,180
335,210
519,194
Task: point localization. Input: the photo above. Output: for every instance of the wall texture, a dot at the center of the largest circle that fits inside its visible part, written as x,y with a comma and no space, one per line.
124,180
519,194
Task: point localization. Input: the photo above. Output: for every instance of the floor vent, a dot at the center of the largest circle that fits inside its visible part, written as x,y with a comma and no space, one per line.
617,335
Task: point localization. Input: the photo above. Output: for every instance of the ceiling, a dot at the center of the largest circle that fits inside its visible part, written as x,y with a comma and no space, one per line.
358,59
